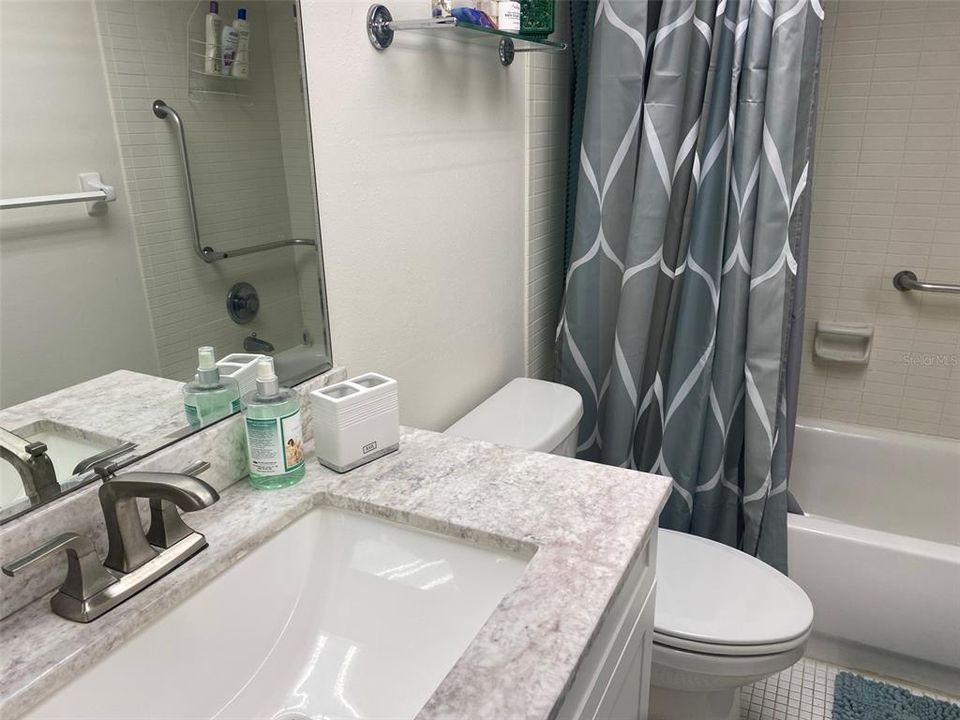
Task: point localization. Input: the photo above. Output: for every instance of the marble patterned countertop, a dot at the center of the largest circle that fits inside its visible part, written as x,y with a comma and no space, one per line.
121,405
587,521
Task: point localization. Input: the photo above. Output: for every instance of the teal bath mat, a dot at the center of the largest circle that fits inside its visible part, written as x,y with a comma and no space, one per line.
857,698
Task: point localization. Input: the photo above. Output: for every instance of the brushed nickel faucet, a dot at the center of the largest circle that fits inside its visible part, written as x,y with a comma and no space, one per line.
135,558
32,463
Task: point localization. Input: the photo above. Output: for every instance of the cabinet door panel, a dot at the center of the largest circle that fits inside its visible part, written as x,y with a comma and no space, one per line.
627,695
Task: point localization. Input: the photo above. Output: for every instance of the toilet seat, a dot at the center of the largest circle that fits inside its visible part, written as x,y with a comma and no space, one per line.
727,650
715,600
683,670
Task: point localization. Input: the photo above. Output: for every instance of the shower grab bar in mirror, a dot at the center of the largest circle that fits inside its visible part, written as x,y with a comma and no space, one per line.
95,193
906,280
207,253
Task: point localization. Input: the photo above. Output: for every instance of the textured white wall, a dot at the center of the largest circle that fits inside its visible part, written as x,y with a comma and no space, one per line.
887,198
420,171
72,303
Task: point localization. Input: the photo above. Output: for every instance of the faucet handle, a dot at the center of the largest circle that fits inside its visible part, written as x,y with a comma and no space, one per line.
98,460
167,528
85,575
196,467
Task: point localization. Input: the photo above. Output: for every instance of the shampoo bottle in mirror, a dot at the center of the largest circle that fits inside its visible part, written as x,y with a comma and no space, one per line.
209,397
212,60
271,418
241,63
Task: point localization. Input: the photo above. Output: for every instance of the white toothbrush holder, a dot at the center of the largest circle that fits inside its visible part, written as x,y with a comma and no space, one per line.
242,367
356,421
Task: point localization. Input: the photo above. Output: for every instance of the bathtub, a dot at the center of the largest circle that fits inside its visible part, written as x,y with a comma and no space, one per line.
878,549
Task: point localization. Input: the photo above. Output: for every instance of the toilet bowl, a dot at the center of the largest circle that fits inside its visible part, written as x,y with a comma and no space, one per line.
723,619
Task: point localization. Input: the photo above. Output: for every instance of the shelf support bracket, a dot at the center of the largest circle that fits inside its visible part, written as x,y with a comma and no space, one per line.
378,26
507,52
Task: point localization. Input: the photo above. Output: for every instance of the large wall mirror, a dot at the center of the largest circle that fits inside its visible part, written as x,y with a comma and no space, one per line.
199,226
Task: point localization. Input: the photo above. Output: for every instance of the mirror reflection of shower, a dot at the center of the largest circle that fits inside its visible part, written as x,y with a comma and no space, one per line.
138,253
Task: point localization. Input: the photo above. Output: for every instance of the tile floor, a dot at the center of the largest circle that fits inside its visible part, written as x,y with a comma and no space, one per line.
802,692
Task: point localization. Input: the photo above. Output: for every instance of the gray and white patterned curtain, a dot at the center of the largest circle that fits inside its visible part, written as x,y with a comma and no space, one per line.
681,294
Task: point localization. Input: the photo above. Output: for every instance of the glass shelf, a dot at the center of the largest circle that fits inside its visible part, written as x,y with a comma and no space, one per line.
381,28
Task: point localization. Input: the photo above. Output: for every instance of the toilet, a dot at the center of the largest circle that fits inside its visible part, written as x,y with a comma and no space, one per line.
723,619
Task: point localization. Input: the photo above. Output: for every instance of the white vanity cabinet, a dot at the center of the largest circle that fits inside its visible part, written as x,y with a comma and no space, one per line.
613,680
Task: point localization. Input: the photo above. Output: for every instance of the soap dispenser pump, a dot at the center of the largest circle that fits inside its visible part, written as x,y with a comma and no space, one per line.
209,397
272,423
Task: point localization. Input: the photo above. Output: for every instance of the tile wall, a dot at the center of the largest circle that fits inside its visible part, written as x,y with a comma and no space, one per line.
887,198
236,148
546,146
295,144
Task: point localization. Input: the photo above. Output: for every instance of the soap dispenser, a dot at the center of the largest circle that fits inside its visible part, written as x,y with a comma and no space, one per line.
271,416
209,397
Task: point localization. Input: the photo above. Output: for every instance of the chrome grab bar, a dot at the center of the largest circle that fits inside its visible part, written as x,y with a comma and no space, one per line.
906,280
207,253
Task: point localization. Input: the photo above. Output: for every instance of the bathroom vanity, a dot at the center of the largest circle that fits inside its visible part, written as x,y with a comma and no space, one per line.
451,579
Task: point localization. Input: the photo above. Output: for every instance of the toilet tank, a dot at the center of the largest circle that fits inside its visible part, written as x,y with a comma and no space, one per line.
526,413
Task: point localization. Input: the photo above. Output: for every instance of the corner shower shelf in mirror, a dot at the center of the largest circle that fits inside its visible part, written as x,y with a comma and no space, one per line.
381,28
201,83
218,76
198,60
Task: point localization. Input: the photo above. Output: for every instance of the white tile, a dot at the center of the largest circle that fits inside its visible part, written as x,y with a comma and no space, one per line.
803,692
890,119
546,152
254,181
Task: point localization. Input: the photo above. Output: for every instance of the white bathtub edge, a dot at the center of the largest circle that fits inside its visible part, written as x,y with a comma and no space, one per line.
885,591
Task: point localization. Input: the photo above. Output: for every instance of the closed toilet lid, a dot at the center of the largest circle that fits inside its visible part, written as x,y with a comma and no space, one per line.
525,413
713,594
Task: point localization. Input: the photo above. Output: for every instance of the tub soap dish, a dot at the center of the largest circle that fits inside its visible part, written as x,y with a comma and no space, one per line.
847,343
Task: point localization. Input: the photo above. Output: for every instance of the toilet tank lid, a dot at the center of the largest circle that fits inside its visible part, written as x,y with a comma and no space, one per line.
525,413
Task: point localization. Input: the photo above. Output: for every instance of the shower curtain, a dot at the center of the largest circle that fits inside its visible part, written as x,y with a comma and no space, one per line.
682,301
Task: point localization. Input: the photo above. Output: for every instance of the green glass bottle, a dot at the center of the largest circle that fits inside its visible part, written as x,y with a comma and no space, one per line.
536,18
209,397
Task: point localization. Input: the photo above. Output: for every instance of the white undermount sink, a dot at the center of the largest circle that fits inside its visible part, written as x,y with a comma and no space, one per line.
338,616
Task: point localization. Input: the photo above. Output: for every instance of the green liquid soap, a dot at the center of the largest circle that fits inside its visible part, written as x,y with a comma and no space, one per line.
209,397
271,418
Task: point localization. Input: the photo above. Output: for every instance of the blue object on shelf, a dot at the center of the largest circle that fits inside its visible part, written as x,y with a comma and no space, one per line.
472,16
